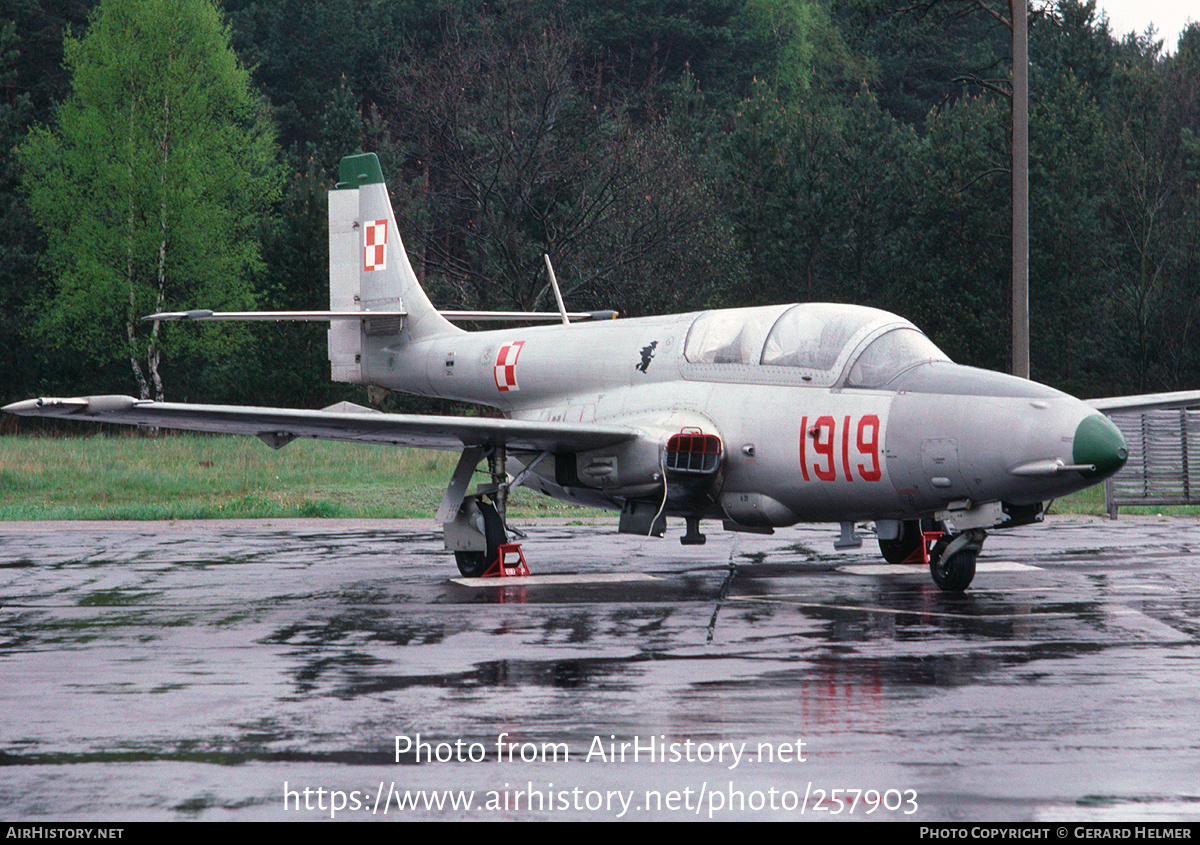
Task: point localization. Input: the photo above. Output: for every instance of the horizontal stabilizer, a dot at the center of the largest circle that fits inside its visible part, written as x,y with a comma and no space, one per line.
297,316
329,316
533,316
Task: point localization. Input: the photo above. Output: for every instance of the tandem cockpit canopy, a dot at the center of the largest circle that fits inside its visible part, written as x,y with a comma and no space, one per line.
814,340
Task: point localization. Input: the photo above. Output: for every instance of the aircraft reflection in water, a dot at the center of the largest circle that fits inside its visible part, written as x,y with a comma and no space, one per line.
759,417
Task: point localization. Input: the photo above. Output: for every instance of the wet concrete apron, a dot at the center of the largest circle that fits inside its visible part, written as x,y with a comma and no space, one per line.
289,670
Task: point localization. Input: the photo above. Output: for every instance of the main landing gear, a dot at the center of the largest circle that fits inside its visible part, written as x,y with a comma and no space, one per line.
950,556
473,525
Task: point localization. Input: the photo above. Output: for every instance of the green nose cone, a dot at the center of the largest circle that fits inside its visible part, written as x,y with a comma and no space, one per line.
1098,442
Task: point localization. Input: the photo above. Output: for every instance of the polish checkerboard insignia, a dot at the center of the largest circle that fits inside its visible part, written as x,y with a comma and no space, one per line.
506,366
375,245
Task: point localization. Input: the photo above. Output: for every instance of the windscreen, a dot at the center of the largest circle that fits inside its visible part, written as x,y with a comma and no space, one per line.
890,354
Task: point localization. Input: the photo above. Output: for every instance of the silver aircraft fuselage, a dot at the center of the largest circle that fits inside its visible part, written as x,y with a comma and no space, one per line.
916,436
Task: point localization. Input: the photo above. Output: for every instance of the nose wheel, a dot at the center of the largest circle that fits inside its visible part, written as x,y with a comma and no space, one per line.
952,559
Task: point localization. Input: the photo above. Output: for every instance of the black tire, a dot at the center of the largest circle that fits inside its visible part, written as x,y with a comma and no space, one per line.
471,564
955,573
474,564
909,541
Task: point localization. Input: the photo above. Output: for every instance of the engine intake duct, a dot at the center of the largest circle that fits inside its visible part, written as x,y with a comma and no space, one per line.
693,453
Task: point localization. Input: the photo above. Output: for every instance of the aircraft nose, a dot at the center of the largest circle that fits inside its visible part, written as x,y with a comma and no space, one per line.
1098,442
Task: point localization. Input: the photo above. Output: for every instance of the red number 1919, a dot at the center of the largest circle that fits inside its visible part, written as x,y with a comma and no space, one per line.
828,459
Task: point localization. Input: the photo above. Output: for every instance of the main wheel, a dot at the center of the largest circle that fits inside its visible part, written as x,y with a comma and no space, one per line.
908,542
471,564
474,564
954,573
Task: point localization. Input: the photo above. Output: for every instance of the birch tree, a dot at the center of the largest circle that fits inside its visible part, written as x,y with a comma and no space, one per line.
151,186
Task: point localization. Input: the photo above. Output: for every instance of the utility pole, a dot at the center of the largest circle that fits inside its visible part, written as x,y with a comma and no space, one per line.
1020,188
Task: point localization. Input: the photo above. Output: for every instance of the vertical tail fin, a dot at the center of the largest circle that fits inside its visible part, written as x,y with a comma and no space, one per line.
369,271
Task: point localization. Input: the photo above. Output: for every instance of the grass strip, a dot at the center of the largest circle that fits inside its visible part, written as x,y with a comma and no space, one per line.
176,475
197,476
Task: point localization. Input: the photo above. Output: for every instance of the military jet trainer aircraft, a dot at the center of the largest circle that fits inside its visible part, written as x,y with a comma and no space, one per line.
759,417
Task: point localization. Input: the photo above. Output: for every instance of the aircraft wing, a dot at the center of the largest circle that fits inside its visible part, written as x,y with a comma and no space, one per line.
1147,401
352,423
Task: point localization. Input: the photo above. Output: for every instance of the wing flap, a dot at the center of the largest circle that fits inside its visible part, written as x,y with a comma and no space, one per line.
281,425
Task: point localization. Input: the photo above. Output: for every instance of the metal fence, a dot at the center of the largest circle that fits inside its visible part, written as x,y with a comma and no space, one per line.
1164,460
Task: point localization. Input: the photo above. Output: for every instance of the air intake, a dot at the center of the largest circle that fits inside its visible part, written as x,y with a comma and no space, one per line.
693,452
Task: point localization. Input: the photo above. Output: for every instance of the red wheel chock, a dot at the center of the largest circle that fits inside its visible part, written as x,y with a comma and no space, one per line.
921,555
502,567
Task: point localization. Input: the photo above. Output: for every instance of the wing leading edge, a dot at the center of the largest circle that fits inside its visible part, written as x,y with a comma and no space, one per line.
279,426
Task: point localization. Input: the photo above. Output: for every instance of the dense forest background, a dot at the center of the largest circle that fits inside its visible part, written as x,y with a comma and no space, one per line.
668,156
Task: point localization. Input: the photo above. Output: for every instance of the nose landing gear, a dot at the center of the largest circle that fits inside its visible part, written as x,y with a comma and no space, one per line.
952,559
950,556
